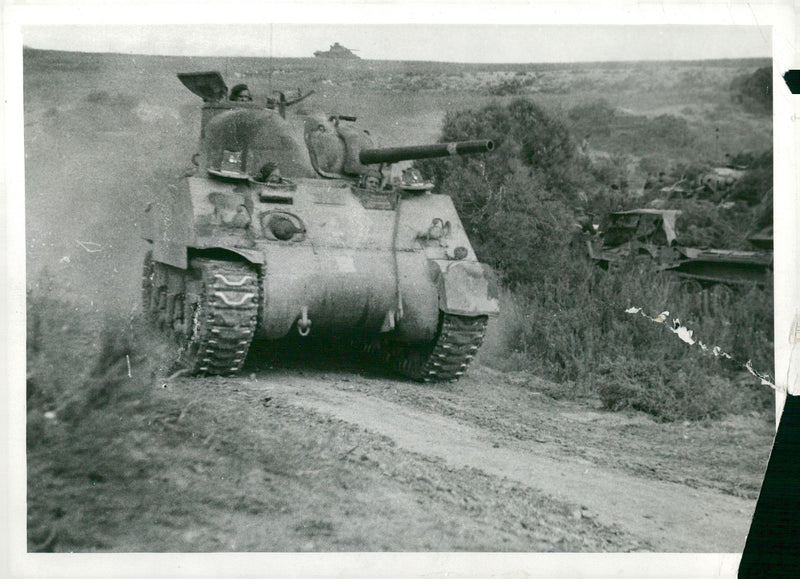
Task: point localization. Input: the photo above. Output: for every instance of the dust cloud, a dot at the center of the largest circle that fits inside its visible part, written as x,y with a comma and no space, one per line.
105,134
102,139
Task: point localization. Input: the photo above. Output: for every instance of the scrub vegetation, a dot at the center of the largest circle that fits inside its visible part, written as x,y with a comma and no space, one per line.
568,321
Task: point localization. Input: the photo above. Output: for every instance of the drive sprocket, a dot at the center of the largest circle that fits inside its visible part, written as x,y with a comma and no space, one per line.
447,357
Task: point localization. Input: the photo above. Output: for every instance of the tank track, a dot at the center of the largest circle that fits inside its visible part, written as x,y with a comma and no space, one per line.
455,346
223,318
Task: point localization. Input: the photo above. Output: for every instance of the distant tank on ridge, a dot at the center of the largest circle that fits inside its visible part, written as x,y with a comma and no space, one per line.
336,51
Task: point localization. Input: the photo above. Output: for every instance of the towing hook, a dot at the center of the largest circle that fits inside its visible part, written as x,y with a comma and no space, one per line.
304,324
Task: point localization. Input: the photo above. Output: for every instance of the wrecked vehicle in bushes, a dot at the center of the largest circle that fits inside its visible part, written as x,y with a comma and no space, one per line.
650,236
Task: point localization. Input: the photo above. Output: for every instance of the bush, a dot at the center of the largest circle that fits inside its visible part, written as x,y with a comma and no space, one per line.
509,336
515,202
703,224
666,392
85,412
526,137
668,130
567,320
754,91
414,82
596,117
512,86
581,333
78,360
754,187
611,173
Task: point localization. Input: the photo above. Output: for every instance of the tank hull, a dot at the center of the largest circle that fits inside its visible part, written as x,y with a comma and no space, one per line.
350,269
344,291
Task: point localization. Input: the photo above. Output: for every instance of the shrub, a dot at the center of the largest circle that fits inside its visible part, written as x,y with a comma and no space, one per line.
754,187
509,336
703,224
669,130
754,91
413,82
525,136
595,117
666,391
624,133
79,360
511,86
567,320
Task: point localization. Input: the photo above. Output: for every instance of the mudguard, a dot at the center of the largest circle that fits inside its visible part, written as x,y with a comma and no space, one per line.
467,288
177,254
197,214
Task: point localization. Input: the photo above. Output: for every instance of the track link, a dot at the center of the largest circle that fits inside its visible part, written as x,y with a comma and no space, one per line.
221,319
455,346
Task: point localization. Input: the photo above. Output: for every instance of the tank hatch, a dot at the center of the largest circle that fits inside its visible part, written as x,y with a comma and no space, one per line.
207,85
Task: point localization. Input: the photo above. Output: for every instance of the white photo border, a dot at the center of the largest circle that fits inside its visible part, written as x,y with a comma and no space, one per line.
777,18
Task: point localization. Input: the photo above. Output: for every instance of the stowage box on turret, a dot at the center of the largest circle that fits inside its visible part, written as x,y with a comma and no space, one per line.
267,237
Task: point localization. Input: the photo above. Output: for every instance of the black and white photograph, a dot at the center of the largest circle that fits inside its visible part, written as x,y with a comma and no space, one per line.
394,285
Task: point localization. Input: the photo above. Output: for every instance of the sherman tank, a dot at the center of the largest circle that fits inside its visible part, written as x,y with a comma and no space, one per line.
337,51
280,230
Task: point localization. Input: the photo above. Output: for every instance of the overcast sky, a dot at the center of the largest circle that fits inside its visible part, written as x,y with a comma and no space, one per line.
437,42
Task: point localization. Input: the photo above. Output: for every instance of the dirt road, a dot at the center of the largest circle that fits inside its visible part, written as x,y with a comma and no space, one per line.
669,516
328,456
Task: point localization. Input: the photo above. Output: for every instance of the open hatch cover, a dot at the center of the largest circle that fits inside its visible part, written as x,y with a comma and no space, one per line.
207,85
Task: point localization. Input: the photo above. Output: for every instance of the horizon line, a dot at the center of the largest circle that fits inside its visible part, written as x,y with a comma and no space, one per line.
509,63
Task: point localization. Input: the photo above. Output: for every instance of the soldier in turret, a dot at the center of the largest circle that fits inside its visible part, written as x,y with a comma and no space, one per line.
240,93
371,179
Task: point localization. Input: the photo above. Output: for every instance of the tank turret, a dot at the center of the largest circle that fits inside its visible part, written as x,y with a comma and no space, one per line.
341,149
265,237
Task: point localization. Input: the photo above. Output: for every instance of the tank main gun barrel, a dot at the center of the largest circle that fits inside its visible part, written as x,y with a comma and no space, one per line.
394,154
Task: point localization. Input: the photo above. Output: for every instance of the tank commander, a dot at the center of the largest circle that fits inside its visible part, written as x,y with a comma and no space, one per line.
240,93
